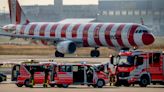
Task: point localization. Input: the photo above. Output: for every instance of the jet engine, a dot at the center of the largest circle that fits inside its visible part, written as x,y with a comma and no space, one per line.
66,47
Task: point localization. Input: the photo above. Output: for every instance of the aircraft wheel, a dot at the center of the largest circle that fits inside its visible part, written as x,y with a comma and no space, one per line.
58,54
95,53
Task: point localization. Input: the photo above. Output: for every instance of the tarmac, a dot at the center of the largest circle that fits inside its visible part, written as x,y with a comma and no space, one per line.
11,87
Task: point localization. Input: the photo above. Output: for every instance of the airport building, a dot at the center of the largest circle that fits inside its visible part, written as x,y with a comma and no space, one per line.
152,12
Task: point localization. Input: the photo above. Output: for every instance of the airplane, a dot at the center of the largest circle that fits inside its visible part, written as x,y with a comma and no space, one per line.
67,37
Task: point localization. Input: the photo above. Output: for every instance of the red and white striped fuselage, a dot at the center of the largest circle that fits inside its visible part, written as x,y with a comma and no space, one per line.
118,35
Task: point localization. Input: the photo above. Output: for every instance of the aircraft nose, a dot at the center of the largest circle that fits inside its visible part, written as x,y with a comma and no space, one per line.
148,38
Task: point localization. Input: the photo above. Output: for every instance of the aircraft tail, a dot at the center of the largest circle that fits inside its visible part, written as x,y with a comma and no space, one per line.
17,16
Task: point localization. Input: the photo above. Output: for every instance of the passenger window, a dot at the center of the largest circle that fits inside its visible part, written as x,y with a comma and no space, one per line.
68,69
75,68
139,61
156,58
62,69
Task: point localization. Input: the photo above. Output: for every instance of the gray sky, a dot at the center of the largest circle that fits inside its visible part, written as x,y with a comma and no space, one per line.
3,3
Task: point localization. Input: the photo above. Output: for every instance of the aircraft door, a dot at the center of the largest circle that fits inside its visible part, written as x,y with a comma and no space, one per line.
15,72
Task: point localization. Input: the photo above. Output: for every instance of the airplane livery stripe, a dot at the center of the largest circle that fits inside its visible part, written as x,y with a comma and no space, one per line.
85,35
107,35
74,30
63,30
131,35
31,30
96,34
118,35
52,30
42,29
22,29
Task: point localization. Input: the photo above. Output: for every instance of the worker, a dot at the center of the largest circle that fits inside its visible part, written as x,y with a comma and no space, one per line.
32,71
46,71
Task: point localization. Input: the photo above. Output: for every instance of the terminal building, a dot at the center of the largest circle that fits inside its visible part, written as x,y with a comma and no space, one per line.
151,11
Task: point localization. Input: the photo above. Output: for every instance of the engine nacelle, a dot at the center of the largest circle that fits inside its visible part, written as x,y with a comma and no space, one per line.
66,47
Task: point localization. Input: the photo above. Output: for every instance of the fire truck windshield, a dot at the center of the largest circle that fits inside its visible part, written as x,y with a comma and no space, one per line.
126,61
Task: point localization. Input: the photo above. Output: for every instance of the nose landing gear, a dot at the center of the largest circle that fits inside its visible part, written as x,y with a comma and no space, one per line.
95,53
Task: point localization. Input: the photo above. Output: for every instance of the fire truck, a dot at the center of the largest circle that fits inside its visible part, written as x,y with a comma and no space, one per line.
61,75
138,67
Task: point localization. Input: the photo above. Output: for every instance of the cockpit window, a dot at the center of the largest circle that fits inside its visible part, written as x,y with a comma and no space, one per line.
141,31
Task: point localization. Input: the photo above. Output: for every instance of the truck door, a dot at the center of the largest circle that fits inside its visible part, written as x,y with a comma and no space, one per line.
15,72
78,74
155,66
52,73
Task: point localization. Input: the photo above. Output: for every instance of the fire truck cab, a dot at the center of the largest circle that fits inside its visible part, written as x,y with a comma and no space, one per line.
67,74
140,67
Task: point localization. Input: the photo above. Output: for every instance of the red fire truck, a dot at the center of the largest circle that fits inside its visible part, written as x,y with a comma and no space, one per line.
61,75
140,68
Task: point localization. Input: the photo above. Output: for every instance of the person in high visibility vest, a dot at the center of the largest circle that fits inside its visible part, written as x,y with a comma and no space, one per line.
32,71
46,71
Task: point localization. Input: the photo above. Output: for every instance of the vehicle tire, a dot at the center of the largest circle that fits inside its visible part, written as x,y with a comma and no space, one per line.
59,85
126,84
52,85
117,84
144,81
27,83
1,79
100,83
19,85
58,54
65,85
95,53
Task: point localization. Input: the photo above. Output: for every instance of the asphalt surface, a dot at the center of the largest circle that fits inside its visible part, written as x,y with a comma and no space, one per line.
78,88
10,87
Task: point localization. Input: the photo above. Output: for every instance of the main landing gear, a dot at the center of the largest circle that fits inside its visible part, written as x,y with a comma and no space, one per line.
58,54
95,53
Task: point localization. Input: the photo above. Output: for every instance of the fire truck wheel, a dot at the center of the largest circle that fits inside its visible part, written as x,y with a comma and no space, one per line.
52,85
27,83
126,84
59,85
65,85
100,83
117,84
144,81
19,85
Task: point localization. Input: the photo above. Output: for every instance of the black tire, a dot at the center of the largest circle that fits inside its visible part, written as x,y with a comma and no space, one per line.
1,79
144,81
126,84
58,54
95,53
52,85
59,85
19,85
100,83
117,84
27,83
65,85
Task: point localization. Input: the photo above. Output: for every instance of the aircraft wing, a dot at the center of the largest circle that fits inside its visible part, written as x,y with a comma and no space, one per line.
79,40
